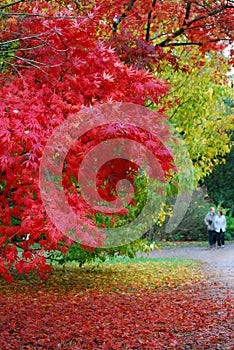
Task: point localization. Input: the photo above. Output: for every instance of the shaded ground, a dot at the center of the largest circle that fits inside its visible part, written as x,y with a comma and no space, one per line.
218,262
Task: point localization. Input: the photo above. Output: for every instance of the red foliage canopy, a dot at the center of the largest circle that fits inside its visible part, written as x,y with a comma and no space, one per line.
60,68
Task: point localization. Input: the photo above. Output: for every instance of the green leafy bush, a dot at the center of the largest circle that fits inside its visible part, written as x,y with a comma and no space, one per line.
192,227
82,255
229,234
220,184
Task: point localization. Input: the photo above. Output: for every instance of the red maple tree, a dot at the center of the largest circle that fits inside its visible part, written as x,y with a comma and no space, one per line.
60,68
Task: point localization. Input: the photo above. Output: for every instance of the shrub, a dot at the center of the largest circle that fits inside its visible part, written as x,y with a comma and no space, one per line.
223,174
192,227
229,235
82,255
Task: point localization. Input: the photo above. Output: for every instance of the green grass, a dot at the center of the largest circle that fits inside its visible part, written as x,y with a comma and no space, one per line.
128,260
168,245
172,262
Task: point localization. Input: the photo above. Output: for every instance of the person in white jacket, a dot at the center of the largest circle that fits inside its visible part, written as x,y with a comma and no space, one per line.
220,227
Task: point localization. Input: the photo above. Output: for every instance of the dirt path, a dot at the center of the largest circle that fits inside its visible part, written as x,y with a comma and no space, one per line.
217,262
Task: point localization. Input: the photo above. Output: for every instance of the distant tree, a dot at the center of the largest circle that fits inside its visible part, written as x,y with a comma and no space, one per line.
220,183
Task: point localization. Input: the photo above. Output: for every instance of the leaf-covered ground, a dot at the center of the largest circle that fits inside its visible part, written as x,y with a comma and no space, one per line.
157,304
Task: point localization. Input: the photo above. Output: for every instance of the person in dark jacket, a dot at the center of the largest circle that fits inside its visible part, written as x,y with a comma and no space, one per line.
209,221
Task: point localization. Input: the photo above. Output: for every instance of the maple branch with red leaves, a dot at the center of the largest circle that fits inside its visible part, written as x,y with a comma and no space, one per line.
189,24
117,21
6,45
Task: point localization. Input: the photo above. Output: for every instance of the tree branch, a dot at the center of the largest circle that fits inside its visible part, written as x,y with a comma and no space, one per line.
187,14
11,4
28,63
149,21
179,106
117,21
34,36
195,43
183,29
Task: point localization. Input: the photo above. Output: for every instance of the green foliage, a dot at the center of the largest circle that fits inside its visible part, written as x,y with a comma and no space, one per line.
220,185
192,227
81,255
75,253
7,55
229,234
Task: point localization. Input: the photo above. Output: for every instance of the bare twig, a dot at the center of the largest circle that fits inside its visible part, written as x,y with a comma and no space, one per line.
34,36
13,49
28,62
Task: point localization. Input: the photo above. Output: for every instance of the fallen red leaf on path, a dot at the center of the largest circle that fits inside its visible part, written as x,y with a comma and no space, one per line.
48,316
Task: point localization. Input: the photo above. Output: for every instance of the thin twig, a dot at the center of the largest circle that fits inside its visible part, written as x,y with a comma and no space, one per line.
35,36
25,49
25,38
30,63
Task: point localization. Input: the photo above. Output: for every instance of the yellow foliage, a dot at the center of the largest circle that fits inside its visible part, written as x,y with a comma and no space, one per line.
200,113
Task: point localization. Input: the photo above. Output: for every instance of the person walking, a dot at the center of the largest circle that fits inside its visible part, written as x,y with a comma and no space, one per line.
220,227
209,221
